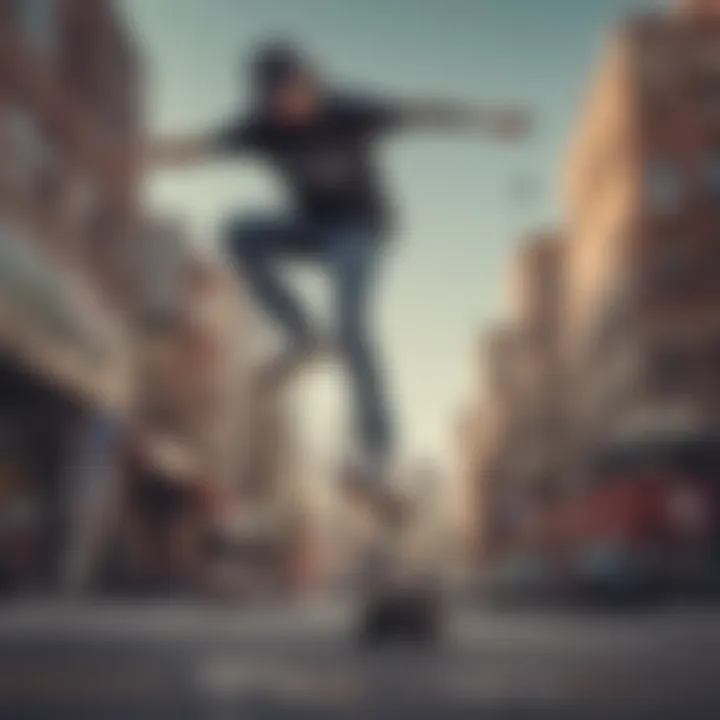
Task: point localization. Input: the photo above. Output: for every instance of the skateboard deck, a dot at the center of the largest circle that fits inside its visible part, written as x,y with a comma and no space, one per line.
403,610
395,604
399,602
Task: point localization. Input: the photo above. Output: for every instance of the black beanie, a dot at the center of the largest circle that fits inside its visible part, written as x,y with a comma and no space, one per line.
275,64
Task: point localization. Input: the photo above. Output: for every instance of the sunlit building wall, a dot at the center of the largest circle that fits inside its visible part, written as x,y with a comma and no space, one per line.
65,109
70,82
642,293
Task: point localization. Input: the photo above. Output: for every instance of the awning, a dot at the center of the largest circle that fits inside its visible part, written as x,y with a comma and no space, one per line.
671,422
55,326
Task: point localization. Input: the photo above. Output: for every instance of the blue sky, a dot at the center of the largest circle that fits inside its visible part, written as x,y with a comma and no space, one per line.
445,279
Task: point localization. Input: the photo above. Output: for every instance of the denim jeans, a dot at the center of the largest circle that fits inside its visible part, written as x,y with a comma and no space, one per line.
349,254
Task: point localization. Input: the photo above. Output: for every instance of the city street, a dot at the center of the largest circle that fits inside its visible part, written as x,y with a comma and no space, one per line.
401,294
181,660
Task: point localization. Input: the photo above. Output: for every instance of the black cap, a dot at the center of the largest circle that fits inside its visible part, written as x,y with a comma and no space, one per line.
275,64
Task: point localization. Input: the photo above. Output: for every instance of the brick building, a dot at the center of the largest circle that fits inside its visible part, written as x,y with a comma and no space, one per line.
64,107
536,281
513,446
592,455
192,350
191,416
641,324
486,440
70,81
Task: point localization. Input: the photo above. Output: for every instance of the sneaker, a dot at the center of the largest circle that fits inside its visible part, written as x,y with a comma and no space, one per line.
368,484
281,368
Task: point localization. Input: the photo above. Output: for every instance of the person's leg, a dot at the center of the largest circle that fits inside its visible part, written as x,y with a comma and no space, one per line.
256,245
93,495
353,256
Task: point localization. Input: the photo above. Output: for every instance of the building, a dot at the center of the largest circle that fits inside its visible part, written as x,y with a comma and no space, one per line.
536,303
70,210
276,483
486,443
190,423
642,301
192,355
592,454
217,447
510,442
70,80
643,196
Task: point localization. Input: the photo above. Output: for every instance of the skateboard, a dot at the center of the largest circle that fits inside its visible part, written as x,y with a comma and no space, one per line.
405,610
397,603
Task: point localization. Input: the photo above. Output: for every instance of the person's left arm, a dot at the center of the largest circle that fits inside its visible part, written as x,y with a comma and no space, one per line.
504,123
509,123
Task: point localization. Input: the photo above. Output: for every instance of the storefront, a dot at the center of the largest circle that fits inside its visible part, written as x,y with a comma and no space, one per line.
65,387
655,501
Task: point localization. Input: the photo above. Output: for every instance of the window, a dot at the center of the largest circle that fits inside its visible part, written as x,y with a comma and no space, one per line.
658,69
712,268
713,176
117,90
159,267
671,271
671,370
31,161
707,92
707,57
707,66
81,200
714,357
663,185
612,322
38,22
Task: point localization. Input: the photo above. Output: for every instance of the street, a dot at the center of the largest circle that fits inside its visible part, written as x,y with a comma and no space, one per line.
157,660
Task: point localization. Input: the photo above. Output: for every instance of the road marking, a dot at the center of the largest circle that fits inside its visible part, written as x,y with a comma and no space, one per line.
225,678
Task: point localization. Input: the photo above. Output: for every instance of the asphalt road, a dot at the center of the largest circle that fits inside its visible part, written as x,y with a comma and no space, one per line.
188,661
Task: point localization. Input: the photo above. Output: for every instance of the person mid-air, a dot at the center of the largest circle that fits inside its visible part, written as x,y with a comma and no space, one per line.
322,141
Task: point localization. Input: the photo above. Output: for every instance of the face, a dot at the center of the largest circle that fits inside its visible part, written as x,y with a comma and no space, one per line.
297,101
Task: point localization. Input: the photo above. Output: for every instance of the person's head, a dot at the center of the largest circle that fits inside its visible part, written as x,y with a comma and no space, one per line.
284,82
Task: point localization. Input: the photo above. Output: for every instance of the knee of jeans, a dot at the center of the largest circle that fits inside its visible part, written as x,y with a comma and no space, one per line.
242,238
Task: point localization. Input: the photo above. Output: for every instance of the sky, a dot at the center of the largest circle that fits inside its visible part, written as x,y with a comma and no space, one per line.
444,281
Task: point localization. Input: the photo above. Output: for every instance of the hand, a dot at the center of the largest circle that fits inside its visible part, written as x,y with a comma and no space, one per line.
125,158
512,124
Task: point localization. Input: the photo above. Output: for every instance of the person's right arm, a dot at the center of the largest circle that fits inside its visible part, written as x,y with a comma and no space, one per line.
188,150
504,123
141,155
179,151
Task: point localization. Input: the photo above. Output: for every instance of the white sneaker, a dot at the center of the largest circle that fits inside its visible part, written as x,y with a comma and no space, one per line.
368,480
289,361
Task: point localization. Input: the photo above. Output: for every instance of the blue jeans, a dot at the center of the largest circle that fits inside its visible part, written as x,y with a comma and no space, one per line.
349,253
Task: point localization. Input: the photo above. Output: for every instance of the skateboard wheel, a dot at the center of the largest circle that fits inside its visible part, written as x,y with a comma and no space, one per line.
411,617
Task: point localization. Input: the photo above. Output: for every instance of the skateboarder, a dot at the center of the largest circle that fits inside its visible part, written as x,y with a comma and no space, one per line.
322,142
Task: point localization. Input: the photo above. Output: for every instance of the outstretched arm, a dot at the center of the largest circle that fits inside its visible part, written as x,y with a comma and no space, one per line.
187,150
504,123
180,151
140,155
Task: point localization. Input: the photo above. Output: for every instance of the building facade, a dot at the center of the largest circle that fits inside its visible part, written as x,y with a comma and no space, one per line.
190,419
70,81
644,206
522,426
595,446
65,108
